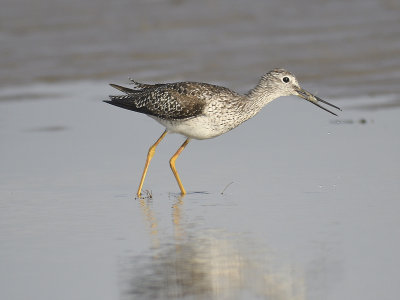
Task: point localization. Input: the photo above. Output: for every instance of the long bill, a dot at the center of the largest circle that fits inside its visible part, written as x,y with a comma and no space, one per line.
315,100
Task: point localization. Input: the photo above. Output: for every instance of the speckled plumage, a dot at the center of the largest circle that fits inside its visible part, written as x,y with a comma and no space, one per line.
201,110
196,110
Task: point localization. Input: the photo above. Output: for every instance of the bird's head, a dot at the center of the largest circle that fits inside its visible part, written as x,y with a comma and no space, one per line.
284,83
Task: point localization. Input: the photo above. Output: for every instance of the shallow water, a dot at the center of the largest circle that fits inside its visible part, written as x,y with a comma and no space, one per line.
293,204
308,211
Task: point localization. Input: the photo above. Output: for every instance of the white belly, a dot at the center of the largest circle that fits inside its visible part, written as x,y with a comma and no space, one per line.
198,128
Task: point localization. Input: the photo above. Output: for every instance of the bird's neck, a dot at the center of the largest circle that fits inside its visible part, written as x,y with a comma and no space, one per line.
258,97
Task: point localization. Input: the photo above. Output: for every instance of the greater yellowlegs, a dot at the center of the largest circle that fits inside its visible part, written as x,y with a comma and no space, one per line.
203,111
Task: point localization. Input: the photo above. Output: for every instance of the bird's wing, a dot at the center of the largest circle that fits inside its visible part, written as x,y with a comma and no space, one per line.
167,101
140,86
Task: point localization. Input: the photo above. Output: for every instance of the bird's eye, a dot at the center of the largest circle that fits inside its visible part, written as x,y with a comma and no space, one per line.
285,79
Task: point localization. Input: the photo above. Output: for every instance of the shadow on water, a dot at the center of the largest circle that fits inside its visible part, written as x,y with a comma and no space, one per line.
206,264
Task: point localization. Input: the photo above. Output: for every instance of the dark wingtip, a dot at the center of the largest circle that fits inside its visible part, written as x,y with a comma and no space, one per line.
118,87
122,88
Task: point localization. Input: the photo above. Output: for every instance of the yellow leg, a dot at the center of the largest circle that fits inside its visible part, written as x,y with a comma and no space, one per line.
150,155
172,164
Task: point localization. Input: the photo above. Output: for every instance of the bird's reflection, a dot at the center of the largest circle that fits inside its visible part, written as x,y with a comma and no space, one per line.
208,264
151,222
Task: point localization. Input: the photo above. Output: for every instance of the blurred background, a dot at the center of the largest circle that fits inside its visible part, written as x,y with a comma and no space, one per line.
341,47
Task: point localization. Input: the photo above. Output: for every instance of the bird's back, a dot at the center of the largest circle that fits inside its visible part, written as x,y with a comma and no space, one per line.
173,101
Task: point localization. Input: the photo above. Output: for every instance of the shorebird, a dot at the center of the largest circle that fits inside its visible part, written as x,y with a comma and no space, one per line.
203,111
